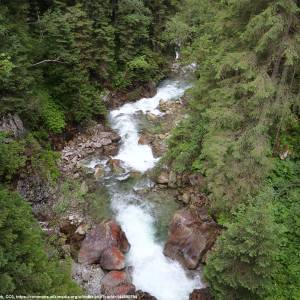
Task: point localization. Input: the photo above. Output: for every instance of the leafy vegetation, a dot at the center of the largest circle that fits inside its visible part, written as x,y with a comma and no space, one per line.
242,134
58,58
57,61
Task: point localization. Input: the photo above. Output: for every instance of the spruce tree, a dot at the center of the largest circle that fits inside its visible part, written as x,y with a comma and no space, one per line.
247,87
242,262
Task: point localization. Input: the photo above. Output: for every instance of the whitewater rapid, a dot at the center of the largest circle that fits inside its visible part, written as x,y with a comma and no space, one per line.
124,121
152,271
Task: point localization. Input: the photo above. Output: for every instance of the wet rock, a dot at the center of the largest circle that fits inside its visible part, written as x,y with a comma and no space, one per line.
149,89
144,296
67,228
151,117
111,150
12,125
163,105
112,259
115,165
95,140
201,294
145,140
117,283
163,178
158,147
192,233
104,235
99,172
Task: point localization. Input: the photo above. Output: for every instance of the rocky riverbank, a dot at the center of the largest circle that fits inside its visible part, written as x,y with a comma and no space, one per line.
97,140
73,213
102,247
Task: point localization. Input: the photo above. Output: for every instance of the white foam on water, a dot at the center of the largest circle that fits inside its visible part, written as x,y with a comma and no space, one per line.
123,120
152,271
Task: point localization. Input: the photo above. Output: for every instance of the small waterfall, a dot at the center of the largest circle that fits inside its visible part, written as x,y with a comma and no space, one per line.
124,121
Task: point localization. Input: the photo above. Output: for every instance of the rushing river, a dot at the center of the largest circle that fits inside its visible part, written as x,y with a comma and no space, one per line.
138,216
152,271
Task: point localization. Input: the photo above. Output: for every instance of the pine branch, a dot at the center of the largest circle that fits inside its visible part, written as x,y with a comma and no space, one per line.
48,61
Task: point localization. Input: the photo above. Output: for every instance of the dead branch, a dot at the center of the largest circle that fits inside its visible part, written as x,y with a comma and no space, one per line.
48,61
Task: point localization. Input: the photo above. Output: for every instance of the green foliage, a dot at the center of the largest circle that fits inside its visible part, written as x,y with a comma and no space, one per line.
244,114
56,59
46,163
185,145
12,157
51,115
75,195
43,160
286,184
241,264
6,66
244,96
25,267
15,154
139,63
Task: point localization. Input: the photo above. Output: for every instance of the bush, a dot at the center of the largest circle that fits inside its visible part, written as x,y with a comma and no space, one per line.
51,114
12,157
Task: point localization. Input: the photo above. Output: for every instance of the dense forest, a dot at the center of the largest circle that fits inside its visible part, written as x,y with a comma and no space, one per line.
243,135
60,58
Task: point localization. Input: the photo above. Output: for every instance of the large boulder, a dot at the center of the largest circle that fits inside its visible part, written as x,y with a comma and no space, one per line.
192,233
201,294
112,259
163,178
145,139
105,235
12,125
111,150
115,165
117,283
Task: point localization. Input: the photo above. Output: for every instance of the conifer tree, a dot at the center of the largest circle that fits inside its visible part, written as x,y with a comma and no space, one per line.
241,264
24,266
